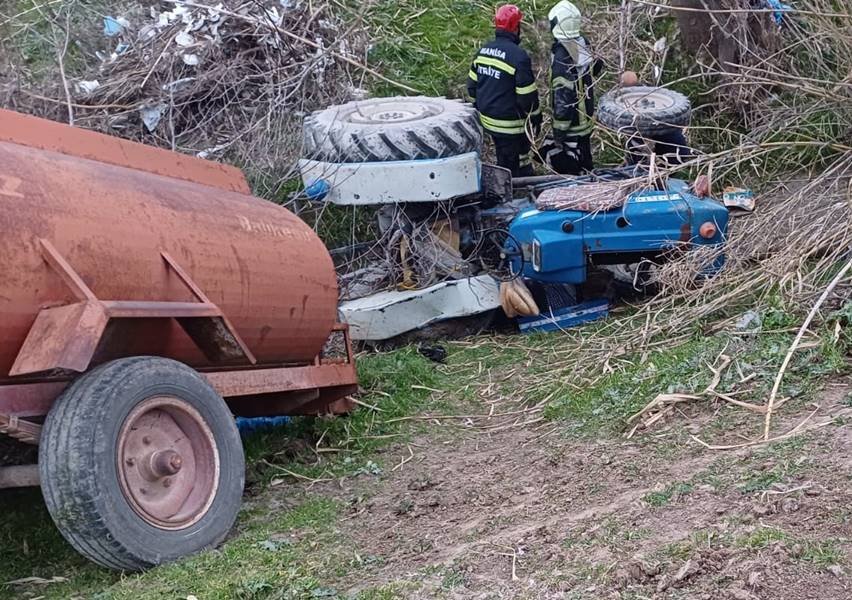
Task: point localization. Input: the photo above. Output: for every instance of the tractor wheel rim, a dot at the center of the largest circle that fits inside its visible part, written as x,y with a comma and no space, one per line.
168,463
640,102
393,112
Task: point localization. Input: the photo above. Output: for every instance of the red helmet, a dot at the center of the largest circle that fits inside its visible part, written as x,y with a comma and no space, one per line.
508,18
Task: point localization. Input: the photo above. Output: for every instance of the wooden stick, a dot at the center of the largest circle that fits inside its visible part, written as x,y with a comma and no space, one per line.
365,405
771,404
796,430
717,372
60,55
405,459
740,403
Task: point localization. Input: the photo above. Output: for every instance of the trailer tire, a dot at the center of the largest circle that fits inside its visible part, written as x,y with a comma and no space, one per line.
648,110
141,463
389,129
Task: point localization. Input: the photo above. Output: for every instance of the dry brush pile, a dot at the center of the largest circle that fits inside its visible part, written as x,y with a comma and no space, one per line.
226,80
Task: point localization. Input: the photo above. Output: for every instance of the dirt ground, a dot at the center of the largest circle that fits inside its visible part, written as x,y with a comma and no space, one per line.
528,513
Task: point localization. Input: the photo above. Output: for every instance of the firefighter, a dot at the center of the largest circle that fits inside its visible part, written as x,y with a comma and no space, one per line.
572,80
502,85
671,146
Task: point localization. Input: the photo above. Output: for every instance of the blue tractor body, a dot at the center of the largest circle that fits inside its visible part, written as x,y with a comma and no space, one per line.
559,246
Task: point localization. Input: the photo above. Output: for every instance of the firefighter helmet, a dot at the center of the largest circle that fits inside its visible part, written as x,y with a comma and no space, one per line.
508,18
564,21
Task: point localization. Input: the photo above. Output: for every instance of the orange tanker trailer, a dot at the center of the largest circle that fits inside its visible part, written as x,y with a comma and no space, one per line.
146,298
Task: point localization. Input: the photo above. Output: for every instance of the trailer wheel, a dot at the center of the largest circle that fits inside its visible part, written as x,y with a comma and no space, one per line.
388,129
648,110
141,463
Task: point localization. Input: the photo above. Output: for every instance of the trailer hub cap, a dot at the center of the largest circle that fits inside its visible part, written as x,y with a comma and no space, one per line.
168,463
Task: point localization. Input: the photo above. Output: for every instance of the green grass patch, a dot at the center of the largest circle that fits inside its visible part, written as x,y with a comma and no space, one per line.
761,538
616,396
274,555
672,493
819,553
824,553
637,378
786,459
429,45
398,384
271,555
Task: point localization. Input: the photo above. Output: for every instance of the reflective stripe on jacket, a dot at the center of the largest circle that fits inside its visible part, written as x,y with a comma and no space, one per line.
572,92
502,85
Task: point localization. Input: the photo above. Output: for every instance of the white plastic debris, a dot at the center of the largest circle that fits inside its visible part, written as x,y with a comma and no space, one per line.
660,45
177,84
207,152
183,39
388,314
273,15
87,87
151,115
357,93
750,320
147,33
190,59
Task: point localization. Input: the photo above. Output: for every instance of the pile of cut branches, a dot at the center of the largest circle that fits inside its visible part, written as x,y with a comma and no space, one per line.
228,79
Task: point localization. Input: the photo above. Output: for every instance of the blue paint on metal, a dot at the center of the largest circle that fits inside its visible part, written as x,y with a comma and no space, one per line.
250,425
649,222
563,318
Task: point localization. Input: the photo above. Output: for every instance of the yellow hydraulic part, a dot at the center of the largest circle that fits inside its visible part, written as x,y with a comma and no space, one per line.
516,299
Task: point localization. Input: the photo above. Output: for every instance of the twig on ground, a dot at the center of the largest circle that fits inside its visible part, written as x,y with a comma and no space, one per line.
366,405
759,442
405,459
771,403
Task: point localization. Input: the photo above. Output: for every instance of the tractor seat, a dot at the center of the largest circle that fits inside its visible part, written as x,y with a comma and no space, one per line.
589,197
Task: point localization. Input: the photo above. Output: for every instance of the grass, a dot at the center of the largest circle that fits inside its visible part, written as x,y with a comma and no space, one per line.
818,553
297,549
761,538
273,554
672,493
397,383
270,553
429,45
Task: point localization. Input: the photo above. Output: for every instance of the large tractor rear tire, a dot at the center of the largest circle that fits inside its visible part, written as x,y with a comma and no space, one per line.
141,463
389,129
648,110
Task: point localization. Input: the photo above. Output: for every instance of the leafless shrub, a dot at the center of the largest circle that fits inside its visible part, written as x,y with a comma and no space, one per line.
229,79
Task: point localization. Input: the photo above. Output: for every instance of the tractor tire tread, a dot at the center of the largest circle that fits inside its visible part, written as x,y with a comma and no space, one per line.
453,129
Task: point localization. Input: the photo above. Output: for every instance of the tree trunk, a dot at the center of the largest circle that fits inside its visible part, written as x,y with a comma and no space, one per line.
731,39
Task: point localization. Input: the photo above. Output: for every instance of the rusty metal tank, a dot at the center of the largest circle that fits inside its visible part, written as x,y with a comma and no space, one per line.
113,220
